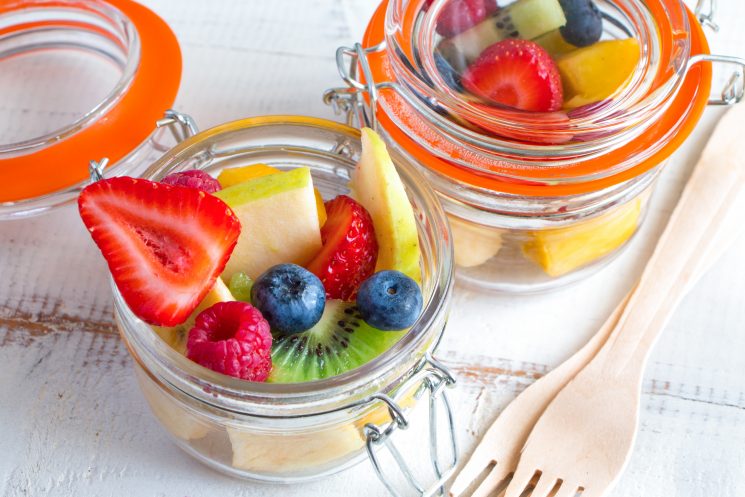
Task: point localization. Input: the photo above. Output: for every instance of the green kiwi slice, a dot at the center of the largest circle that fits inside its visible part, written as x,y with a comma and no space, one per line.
339,342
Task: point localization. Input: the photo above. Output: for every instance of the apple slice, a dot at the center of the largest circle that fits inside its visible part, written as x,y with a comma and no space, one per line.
378,187
279,219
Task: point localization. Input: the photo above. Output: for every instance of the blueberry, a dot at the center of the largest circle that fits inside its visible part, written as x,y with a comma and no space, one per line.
584,22
451,77
389,300
289,297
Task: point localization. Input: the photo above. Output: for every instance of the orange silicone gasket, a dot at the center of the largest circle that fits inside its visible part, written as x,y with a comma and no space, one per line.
681,117
121,128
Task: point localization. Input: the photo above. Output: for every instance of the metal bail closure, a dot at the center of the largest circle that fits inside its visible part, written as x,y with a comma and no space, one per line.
432,378
348,100
95,169
705,12
734,89
182,126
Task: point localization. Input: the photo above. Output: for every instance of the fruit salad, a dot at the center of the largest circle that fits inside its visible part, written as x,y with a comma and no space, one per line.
531,55
254,275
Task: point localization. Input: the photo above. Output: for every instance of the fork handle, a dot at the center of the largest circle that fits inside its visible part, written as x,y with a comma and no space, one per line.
708,217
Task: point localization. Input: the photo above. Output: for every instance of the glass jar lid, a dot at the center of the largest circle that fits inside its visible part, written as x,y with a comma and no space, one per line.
80,81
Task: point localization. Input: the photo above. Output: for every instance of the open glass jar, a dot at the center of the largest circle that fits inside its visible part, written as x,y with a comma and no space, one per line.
536,199
294,432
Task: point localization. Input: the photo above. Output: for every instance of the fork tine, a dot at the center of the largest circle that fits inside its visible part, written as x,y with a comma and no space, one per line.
567,489
519,482
545,484
595,492
492,481
468,473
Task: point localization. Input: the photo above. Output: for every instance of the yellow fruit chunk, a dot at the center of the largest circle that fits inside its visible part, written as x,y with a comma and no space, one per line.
594,73
474,244
235,175
173,415
555,44
260,450
561,250
176,336
378,187
322,216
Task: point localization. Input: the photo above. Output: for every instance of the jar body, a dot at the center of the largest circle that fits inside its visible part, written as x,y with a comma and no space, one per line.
535,210
525,244
262,449
283,433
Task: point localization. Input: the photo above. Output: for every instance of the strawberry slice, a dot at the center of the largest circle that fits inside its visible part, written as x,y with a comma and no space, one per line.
516,73
460,15
349,251
165,244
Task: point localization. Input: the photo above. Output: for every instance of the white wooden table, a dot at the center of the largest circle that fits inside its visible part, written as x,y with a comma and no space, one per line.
72,421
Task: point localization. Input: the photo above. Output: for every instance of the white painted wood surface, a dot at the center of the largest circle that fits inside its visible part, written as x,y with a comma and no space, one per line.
72,421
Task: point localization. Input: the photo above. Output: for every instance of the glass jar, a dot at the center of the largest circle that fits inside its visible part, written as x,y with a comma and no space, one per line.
295,432
535,199
102,72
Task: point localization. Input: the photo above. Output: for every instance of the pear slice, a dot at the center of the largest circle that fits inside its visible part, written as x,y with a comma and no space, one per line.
279,222
378,187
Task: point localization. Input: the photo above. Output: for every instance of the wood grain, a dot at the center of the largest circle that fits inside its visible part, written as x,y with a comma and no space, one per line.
72,421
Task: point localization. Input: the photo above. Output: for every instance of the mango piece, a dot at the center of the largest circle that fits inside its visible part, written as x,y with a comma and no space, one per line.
594,73
562,250
234,175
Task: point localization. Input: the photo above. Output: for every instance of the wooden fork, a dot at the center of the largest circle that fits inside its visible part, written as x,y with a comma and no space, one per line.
583,440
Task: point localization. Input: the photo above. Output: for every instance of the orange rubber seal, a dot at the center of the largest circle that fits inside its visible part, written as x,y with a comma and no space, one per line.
672,129
121,129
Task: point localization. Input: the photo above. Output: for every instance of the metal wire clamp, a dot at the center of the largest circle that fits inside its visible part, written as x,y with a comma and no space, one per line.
432,378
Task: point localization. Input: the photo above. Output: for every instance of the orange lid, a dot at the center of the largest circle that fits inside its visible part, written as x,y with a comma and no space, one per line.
63,162
406,127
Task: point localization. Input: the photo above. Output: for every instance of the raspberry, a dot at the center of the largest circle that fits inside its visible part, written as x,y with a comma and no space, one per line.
234,339
193,178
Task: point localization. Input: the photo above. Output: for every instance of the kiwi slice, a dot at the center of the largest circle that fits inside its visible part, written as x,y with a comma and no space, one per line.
339,342
524,19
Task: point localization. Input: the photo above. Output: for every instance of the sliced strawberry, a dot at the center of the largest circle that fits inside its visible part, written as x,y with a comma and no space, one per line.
349,251
516,73
460,15
165,244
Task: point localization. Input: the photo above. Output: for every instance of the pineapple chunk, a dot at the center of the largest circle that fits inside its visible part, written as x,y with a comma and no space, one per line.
592,74
561,250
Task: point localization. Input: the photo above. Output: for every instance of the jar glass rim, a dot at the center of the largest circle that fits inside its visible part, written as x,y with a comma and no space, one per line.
97,18
469,166
48,171
315,397
661,25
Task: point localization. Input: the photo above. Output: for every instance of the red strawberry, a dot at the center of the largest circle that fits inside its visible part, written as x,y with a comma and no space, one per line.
349,251
165,244
517,73
460,15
